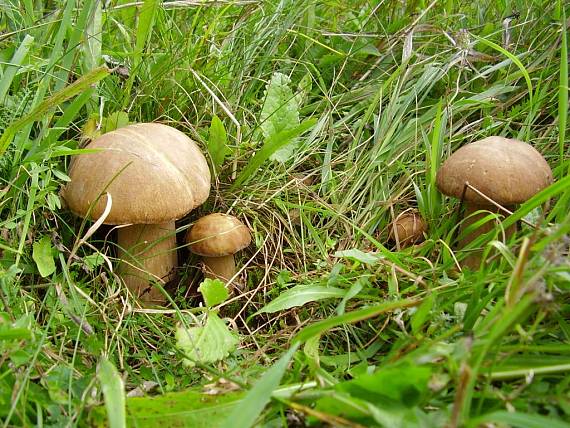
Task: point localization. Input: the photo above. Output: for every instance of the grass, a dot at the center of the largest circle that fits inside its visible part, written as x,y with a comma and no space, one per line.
336,325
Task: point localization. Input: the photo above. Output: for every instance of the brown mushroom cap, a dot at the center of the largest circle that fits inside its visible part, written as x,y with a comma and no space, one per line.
218,235
153,172
506,170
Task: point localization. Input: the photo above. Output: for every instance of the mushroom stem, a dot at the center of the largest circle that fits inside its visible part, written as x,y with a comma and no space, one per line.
474,260
222,268
148,254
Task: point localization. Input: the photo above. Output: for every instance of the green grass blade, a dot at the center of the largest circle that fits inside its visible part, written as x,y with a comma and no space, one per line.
15,63
245,415
279,140
76,88
113,393
352,317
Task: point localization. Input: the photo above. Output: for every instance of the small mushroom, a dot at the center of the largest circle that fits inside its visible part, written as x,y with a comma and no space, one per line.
408,229
507,171
217,237
155,175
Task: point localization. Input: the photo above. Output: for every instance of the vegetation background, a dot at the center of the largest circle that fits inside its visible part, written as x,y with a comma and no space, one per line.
322,120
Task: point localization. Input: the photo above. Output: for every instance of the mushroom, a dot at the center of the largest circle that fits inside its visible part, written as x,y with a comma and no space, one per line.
408,229
507,171
155,175
217,237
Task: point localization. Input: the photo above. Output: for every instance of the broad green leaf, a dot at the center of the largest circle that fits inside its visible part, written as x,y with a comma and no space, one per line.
11,333
206,344
300,295
191,409
271,145
280,112
517,420
404,383
245,415
217,143
113,393
43,256
358,255
214,292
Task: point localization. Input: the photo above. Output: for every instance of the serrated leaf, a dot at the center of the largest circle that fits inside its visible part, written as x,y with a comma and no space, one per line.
301,295
213,291
217,142
206,344
280,112
358,255
43,256
93,260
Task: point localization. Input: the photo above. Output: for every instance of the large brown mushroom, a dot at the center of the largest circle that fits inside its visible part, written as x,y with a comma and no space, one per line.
506,171
217,237
155,175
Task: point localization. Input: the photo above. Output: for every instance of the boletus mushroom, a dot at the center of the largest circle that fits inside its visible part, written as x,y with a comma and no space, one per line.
155,175
408,229
507,171
217,237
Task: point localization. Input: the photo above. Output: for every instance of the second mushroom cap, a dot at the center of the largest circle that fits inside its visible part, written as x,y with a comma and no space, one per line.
506,170
217,235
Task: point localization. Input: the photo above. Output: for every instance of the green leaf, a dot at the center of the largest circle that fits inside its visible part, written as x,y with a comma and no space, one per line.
94,260
144,28
217,143
352,292
214,292
357,255
421,315
206,344
192,408
11,333
113,393
300,295
43,256
352,317
280,112
245,415
518,420
115,120
270,146
404,383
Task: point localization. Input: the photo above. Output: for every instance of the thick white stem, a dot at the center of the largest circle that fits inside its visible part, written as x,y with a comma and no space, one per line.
148,255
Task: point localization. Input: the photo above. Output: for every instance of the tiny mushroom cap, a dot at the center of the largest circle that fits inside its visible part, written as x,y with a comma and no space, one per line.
153,172
506,170
408,228
218,235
